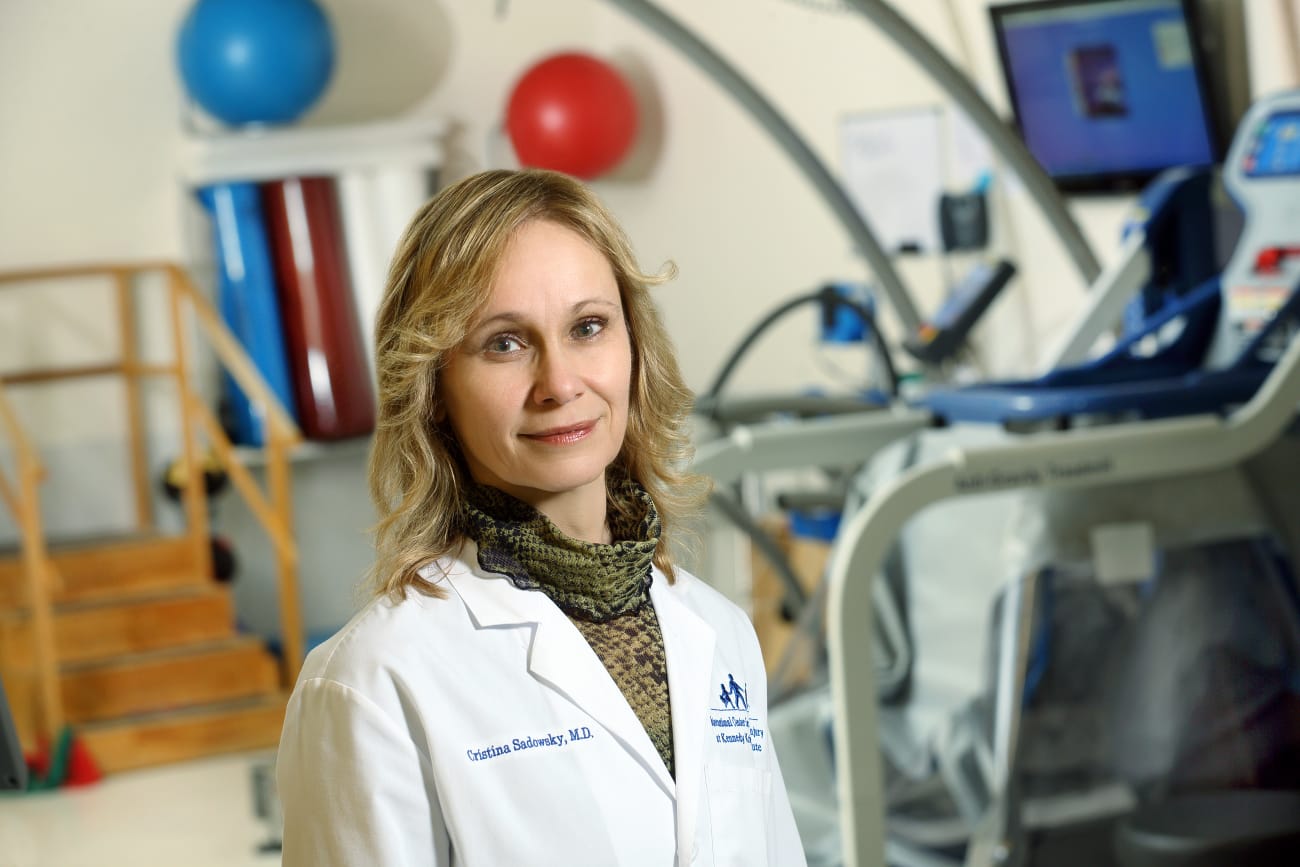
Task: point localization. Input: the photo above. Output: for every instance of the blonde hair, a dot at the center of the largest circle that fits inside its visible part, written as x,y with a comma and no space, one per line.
440,278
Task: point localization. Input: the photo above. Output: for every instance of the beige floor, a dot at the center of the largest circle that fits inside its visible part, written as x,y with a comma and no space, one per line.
199,814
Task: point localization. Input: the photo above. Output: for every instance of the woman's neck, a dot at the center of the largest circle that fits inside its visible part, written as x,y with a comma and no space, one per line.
580,513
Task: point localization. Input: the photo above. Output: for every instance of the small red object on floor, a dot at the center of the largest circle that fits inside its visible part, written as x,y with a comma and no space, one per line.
82,769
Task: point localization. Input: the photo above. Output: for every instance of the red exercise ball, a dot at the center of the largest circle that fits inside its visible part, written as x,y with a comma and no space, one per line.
572,113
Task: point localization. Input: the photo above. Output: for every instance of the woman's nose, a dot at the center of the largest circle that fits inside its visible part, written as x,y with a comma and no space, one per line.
558,377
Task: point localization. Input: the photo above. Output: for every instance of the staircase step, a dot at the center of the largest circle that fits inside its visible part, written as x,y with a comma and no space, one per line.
172,679
111,569
88,632
175,736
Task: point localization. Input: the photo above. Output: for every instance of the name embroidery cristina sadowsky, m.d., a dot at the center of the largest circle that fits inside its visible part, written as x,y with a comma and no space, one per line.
732,716
550,740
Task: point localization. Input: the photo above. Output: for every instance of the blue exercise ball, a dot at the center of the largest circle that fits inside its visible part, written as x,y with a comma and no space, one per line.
255,61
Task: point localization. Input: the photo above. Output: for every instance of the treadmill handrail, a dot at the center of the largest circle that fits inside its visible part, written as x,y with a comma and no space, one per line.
833,441
1083,458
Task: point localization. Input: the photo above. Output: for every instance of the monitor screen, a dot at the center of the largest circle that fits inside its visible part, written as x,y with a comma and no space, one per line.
1107,93
1275,150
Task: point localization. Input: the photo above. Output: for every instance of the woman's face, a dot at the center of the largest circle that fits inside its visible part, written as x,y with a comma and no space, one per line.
537,393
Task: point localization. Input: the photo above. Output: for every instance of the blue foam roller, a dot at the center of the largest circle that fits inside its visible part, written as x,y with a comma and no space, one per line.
247,300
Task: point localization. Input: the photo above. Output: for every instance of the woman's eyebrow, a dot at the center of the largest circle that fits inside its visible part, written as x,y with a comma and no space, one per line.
599,302
498,319
510,317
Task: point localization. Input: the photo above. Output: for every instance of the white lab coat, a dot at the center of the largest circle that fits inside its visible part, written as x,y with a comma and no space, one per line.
481,730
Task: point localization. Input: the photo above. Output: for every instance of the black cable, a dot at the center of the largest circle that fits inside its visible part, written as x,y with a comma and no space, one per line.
829,299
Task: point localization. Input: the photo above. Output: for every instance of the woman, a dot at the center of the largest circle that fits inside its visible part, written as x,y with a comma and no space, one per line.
534,682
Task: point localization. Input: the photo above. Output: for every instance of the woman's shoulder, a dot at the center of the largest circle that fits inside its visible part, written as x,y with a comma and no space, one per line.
388,635
703,598
731,624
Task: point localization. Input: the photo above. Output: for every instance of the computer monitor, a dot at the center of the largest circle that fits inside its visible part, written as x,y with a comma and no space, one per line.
1107,93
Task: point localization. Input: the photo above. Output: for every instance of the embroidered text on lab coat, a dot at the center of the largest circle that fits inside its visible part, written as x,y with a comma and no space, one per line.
530,742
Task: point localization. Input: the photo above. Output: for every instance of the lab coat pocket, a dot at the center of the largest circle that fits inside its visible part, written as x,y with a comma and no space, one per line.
740,808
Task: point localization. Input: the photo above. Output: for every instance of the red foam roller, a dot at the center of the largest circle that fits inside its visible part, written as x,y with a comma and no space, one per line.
331,379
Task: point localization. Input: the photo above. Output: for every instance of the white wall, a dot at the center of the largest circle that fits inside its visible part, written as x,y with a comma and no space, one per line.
721,200
92,113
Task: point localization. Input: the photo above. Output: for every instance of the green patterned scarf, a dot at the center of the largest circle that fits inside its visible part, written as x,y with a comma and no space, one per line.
603,589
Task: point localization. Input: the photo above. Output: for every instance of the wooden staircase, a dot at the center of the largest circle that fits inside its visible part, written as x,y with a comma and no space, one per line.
130,641
150,667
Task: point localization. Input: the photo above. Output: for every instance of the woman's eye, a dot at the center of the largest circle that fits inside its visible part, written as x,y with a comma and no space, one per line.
588,328
503,343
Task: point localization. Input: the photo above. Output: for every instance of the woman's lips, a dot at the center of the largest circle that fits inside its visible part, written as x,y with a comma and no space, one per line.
560,436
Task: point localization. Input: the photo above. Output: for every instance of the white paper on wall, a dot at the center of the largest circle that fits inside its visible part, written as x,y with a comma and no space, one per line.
896,164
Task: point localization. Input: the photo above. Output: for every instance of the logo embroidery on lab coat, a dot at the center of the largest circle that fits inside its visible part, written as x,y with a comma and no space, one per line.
549,740
732,716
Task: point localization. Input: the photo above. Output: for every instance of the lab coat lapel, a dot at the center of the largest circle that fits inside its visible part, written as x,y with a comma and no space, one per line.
688,644
562,659
491,599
